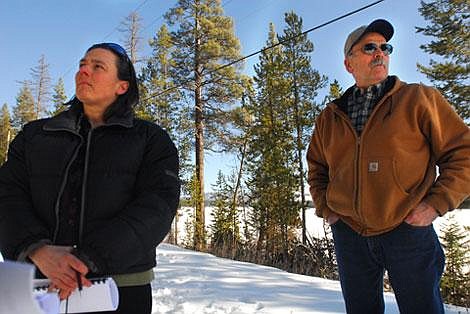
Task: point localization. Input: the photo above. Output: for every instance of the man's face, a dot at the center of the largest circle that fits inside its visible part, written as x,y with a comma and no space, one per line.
367,69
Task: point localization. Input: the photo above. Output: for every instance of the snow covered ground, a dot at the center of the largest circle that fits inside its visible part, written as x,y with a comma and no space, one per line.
194,282
189,282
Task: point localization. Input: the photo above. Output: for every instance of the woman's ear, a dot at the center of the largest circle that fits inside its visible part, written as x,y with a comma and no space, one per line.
122,87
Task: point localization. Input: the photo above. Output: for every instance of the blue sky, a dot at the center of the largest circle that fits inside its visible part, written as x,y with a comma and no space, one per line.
63,29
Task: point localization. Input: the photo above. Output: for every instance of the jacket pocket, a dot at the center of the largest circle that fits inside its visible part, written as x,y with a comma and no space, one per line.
340,191
396,177
381,191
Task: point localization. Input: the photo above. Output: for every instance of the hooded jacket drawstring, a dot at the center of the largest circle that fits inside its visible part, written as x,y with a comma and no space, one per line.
390,104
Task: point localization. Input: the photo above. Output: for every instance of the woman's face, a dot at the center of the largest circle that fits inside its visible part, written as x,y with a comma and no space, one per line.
96,82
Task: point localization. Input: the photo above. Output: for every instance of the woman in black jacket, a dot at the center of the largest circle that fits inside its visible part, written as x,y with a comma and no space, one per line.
93,190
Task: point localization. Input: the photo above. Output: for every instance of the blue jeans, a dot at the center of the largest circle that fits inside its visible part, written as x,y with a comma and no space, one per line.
413,258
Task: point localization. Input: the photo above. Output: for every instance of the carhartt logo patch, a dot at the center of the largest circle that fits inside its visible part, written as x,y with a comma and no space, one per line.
373,166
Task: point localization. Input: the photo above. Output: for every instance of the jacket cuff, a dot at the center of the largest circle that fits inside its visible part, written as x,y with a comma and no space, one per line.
323,212
24,255
85,258
437,203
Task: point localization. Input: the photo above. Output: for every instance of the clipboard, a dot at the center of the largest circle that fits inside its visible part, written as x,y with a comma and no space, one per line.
103,295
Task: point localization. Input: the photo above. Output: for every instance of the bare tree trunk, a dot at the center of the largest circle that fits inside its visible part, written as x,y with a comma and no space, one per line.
134,36
38,101
200,208
301,177
41,84
260,245
246,231
7,144
130,27
237,187
299,158
199,235
239,176
176,226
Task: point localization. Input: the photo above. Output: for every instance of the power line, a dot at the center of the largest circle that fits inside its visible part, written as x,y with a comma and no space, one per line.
264,6
153,22
140,5
135,10
161,16
145,28
265,49
226,2
117,27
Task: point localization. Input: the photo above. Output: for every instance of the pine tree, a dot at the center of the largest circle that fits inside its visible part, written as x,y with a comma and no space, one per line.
450,29
24,111
59,98
155,80
271,157
304,84
193,224
225,234
335,91
219,226
204,40
236,141
455,283
41,84
5,132
188,240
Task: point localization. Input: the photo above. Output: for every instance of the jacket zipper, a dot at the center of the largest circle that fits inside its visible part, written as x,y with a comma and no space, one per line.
64,180
62,186
357,164
83,196
357,175
357,196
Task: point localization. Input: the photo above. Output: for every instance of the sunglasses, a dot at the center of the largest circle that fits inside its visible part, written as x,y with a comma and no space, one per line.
371,48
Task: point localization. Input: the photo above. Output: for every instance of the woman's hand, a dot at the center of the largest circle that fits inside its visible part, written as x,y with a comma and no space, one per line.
60,267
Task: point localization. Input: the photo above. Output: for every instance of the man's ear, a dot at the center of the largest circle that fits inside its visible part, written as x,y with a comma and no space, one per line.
348,65
122,88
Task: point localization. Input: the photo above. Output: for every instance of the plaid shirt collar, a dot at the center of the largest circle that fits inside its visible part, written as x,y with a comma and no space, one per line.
362,102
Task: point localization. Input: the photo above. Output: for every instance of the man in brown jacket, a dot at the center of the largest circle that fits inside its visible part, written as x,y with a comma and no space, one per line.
372,174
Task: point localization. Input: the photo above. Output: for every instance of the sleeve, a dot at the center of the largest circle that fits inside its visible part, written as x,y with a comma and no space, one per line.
449,139
317,177
143,224
20,228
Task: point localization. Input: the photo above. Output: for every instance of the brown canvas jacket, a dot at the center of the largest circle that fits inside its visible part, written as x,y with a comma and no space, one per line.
375,180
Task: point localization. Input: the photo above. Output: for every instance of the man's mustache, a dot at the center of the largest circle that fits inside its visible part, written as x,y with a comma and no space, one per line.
378,61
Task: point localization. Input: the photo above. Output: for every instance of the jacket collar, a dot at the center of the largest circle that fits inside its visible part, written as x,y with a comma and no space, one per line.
69,120
392,83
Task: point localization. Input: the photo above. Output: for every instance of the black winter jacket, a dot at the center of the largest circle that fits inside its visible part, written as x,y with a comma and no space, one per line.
130,195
